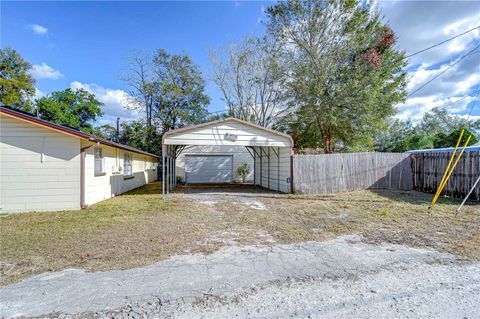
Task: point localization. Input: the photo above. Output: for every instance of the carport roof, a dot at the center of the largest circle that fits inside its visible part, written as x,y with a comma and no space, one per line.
227,120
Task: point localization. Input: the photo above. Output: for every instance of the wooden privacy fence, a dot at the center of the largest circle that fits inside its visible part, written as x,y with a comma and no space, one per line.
333,173
428,169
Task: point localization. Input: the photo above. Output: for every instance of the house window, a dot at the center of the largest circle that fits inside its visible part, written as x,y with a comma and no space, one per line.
127,165
97,151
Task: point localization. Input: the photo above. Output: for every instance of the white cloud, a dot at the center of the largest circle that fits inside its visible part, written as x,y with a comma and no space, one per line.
44,71
115,102
39,94
38,29
472,117
420,24
459,44
414,108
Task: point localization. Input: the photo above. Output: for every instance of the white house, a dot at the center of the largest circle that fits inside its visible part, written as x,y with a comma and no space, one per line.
46,167
211,153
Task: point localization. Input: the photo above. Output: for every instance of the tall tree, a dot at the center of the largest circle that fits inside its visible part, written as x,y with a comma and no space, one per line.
179,91
17,86
141,79
439,121
249,77
448,140
106,131
343,74
168,88
436,129
401,136
76,108
137,134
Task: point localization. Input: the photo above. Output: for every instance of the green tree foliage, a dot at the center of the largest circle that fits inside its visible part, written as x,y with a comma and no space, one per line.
137,134
106,131
17,86
343,74
449,140
439,121
437,129
402,136
305,134
169,88
180,99
75,108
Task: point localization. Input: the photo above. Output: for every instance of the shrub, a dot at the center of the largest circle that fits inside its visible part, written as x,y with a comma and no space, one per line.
243,170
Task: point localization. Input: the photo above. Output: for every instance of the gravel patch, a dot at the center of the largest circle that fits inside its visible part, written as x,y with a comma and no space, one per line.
430,291
226,198
343,277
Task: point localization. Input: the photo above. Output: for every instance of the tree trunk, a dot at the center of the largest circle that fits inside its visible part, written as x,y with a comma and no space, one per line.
327,136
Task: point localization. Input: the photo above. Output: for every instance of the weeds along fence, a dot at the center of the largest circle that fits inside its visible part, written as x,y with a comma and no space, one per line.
333,173
428,169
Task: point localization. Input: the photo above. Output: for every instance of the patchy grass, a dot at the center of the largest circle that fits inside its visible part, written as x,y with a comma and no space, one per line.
126,231
138,228
379,216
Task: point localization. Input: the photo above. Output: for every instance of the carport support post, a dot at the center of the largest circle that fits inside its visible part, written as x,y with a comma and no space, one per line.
277,153
268,165
254,167
167,177
268,156
261,167
278,169
171,169
175,172
163,176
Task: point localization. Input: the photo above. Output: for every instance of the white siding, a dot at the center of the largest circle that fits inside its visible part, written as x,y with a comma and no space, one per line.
214,134
98,188
240,156
273,174
39,168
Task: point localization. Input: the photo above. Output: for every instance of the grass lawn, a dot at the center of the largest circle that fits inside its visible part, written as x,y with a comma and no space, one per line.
138,228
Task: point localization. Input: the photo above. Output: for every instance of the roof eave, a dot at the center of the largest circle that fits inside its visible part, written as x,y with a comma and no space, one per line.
69,131
229,119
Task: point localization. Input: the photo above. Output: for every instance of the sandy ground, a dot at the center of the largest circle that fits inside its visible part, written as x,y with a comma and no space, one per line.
338,278
341,278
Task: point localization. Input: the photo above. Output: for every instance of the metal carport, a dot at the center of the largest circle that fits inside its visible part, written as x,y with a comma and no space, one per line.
271,150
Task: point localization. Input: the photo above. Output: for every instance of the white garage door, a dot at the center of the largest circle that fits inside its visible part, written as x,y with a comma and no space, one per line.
208,168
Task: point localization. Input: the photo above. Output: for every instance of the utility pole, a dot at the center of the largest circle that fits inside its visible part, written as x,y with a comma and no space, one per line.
117,133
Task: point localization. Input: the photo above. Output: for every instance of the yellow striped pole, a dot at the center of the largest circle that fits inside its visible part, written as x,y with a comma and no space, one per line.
437,193
444,181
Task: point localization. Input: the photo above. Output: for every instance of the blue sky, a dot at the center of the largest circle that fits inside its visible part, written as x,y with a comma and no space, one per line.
88,41
83,44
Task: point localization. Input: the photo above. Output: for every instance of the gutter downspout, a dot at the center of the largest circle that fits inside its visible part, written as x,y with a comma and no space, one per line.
82,174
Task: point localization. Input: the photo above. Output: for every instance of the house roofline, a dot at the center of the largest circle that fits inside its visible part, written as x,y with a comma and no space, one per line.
67,130
229,119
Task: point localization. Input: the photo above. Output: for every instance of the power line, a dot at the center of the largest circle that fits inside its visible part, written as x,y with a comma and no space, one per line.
448,68
413,54
440,43
455,102
471,108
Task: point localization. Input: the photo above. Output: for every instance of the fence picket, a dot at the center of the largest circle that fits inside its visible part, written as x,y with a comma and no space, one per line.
332,173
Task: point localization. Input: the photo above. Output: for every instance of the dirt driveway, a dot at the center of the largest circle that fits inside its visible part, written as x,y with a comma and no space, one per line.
340,278
237,253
